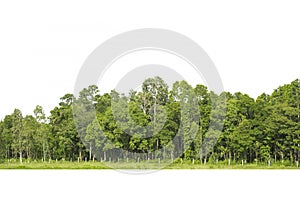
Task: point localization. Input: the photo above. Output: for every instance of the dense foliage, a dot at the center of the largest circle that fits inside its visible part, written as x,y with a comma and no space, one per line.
263,130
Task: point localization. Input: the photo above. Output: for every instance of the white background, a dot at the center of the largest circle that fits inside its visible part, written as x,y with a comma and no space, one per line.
254,44
165,185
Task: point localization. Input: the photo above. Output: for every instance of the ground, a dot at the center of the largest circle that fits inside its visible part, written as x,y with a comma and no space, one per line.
134,165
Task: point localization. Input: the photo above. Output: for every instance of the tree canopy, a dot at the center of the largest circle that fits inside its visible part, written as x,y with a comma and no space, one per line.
159,122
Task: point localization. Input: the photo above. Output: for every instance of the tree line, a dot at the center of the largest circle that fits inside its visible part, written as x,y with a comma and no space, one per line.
159,122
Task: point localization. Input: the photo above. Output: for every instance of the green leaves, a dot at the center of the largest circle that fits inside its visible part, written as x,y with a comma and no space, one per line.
160,123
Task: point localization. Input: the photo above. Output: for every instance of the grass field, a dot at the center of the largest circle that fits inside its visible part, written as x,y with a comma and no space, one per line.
141,165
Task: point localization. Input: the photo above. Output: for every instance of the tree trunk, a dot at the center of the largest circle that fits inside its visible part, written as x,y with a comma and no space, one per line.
90,151
27,152
234,157
256,155
21,159
44,152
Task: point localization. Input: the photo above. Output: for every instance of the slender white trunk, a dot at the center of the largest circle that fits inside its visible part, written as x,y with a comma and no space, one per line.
44,152
21,158
90,151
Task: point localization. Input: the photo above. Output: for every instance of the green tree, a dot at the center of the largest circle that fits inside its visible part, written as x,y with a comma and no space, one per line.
18,144
43,131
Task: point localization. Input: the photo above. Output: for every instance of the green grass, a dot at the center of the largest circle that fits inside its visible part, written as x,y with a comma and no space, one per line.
131,165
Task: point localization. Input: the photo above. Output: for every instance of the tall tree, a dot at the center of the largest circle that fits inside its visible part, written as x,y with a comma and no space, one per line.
43,131
18,134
